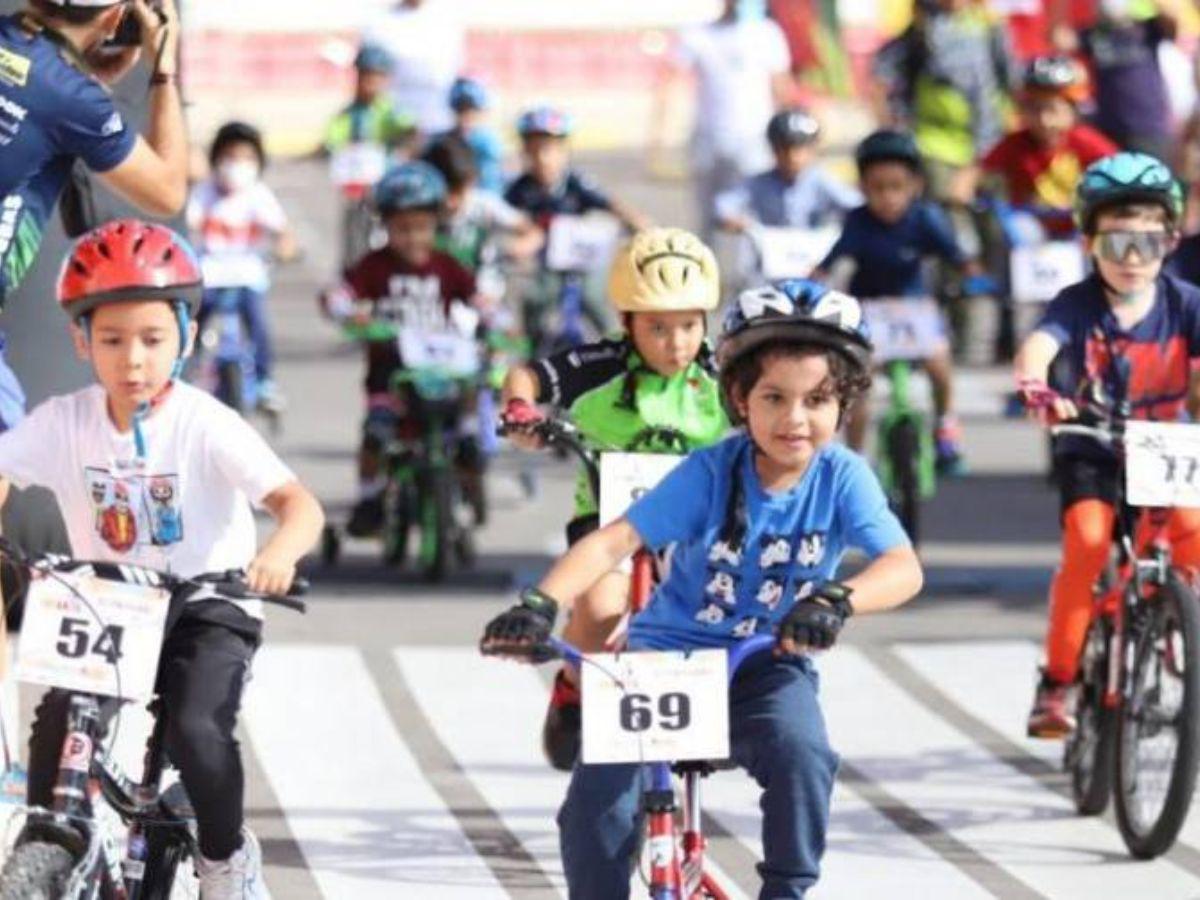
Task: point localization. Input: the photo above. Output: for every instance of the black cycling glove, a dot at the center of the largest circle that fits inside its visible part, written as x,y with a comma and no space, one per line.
522,630
816,620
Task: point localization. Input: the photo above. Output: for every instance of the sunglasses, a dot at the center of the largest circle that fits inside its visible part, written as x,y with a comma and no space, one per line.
1151,246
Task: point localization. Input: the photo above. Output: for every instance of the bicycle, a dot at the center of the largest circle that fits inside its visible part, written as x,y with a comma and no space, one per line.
1136,678
65,851
354,169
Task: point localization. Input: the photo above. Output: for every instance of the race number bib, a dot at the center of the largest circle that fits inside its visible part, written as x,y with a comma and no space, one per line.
581,243
792,252
624,477
667,707
1162,464
108,646
445,351
1038,273
357,164
907,328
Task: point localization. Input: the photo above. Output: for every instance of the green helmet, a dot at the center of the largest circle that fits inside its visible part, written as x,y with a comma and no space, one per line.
1126,178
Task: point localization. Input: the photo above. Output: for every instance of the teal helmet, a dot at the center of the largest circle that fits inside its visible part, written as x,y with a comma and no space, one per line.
1125,178
410,185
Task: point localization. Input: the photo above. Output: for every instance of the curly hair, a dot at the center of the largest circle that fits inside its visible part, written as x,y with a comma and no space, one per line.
849,381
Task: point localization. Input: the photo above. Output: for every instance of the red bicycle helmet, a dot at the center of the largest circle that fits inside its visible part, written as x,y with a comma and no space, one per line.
128,259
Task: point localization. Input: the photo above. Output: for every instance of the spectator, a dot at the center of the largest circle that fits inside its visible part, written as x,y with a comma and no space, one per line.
742,65
425,40
54,109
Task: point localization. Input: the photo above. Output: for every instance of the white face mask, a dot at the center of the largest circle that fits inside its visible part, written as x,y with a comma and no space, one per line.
1115,9
237,174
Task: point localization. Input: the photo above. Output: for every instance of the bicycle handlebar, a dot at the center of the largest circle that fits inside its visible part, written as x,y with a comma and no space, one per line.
738,653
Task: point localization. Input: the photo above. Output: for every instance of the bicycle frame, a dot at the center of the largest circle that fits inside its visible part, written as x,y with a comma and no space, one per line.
901,409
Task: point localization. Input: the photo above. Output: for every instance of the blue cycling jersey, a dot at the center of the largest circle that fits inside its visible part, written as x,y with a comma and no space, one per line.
52,112
573,196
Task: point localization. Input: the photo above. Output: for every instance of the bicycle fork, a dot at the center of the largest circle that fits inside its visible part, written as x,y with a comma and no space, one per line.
658,804
137,849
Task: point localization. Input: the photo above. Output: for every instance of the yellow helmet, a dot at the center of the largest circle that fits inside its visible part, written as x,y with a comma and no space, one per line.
664,270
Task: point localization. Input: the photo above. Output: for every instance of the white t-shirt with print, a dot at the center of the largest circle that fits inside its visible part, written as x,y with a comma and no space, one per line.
185,509
233,233
734,63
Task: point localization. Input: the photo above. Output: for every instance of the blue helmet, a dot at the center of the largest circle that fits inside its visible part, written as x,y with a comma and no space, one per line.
1126,178
373,58
467,93
410,185
545,120
798,310
887,145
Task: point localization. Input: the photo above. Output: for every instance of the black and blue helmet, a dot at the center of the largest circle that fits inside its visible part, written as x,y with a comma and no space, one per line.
373,58
467,93
410,185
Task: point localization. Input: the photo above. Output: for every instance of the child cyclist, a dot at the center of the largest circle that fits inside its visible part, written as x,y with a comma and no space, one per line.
888,239
1127,206
659,374
152,471
371,116
469,100
407,281
772,509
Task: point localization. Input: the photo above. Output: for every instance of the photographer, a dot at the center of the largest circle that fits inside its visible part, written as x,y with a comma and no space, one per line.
57,60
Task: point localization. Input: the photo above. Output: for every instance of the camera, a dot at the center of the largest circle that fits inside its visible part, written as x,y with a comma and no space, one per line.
129,32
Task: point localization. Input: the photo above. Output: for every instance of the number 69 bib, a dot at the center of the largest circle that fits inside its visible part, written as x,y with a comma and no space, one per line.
667,706
109,645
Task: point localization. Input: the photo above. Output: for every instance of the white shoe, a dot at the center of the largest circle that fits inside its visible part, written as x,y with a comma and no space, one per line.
238,878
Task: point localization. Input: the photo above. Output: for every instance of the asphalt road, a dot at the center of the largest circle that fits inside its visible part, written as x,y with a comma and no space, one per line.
386,759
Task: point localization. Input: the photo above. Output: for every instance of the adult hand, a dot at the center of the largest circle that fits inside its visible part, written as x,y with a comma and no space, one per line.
160,34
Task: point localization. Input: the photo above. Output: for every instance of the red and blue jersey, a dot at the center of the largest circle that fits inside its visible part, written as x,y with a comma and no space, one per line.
1160,351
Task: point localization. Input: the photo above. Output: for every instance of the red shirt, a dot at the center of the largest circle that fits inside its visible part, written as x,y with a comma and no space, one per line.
1043,176
414,295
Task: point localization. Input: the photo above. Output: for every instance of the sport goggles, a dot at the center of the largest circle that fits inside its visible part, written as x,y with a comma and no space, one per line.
1115,246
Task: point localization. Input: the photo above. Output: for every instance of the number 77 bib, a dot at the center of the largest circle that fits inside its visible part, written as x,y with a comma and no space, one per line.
661,707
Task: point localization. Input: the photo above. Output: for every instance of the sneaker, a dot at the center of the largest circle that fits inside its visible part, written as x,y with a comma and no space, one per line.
948,447
1053,713
270,398
238,878
366,519
561,733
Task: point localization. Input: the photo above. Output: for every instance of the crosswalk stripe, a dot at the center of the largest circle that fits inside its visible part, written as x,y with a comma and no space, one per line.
368,822
1004,815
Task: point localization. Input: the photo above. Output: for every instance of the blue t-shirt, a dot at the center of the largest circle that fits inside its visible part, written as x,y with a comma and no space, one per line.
715,595
813,199
889,258
488,152
51,113
1160,351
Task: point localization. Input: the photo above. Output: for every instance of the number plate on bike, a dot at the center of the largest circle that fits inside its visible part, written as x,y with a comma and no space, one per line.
667,707
581,243
446,351
1162,464
624,477
357,164
1038,273
793,252
905,328
107,645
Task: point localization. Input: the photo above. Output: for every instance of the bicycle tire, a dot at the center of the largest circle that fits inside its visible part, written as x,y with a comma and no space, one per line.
231,387
161,881
1091,764
437,524
1174,603
37,870
903,450
397,520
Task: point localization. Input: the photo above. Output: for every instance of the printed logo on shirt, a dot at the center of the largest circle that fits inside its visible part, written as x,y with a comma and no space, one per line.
776,551
415,301
745,628
722,587
712,614
135,510
722,552
811,550
112,125
770,592
14,68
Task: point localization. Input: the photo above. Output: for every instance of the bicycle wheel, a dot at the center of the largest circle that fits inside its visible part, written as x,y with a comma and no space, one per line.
1090,750
1158,728
231,388
169,873
903,450
36,871
397,519
437,525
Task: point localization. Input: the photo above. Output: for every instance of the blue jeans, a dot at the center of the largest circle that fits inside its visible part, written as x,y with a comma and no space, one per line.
252,306
777,736
12,397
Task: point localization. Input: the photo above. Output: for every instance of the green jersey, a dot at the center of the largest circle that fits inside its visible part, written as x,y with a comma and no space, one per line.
377,123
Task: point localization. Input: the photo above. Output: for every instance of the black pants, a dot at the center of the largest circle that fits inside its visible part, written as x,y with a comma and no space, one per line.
204,666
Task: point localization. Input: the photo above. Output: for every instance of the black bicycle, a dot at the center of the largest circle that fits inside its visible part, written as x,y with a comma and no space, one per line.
65,852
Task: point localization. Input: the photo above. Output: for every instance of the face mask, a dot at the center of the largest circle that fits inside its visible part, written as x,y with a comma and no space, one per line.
1115,9
750,10
238,174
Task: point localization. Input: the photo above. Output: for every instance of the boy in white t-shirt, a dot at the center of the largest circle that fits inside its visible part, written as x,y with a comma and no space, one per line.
151,471
237,223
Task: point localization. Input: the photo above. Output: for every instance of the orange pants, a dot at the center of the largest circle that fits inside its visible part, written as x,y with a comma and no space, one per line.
1086,542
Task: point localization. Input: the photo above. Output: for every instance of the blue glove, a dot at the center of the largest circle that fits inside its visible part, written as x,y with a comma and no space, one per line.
980,286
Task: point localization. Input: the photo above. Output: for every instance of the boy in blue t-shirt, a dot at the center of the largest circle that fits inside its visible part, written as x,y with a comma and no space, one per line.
469,100
889,240
763,557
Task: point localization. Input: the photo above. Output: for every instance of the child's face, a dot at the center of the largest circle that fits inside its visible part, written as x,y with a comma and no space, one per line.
455,197
1115,247
411,234
132,347
890,189
1048,117
792,410
370,85
791,160
468,120
668,342
546,158
237,166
